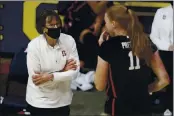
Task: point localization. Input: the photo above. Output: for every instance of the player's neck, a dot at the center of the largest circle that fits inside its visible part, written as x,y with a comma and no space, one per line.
120,33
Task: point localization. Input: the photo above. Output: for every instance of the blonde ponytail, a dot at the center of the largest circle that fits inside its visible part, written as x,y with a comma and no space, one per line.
139,40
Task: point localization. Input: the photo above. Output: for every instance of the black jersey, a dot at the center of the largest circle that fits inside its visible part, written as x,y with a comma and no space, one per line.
128,77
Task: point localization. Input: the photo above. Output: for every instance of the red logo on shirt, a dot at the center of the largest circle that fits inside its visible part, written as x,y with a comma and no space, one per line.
63,53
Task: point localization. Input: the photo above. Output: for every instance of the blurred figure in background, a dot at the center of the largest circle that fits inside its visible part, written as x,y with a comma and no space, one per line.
126,55
84,21
162,36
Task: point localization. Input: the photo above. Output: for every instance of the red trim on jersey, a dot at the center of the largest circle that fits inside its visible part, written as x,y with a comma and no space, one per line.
112,83
107,88
113,107
108,85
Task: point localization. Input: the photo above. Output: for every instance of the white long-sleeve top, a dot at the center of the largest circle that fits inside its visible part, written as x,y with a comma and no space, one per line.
41,57
162,28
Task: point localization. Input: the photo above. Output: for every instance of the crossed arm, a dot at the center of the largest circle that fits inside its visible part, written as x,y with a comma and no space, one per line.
69,72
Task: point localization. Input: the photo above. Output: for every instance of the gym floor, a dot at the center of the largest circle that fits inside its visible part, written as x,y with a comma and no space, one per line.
85,103
89,103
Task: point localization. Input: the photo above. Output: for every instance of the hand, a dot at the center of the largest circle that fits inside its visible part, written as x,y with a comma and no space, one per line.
41,78
70,65
104,36
171,48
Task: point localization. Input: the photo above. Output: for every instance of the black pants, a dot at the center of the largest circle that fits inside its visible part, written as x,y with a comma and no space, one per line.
62,111
167,58
116,107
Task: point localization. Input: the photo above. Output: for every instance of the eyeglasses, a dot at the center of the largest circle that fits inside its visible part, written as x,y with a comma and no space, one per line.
53,25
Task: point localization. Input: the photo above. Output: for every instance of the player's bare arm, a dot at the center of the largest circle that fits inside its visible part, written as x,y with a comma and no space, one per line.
161,74
101,74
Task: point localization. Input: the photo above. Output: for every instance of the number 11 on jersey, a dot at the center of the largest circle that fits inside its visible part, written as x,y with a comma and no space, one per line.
132,67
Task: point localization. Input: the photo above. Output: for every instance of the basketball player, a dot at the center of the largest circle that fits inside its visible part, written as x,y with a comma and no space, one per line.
124,63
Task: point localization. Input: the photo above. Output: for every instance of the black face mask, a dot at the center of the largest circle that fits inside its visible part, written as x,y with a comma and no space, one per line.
171,2
54,32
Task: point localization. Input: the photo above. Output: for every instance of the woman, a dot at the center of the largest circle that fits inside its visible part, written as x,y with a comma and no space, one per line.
124,63
52,62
